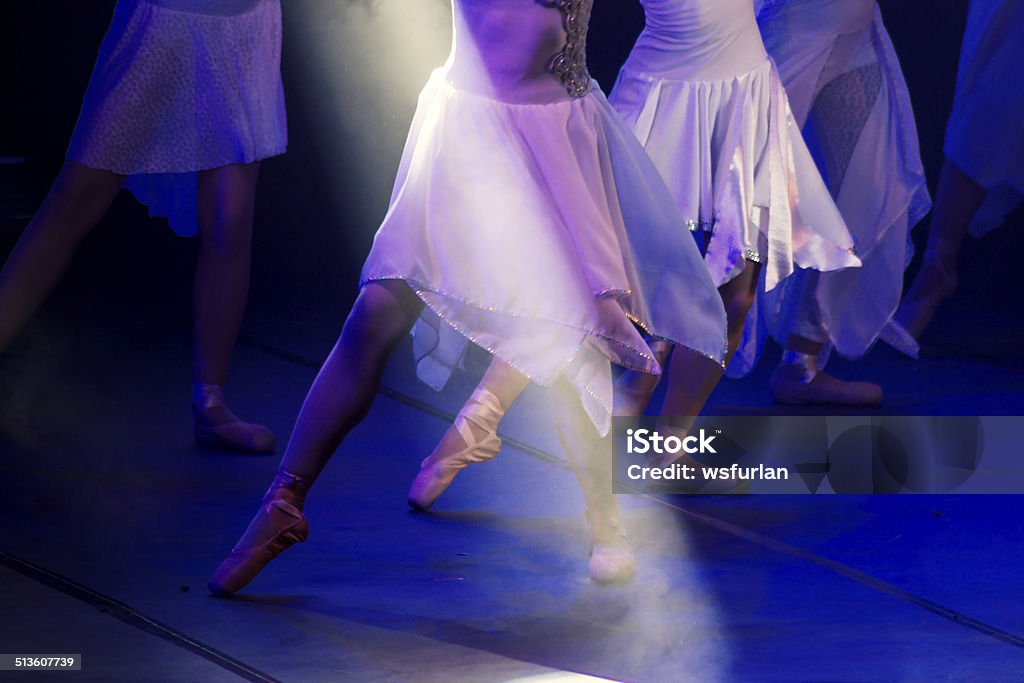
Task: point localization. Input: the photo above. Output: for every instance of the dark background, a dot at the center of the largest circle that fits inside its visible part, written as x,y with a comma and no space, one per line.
314,226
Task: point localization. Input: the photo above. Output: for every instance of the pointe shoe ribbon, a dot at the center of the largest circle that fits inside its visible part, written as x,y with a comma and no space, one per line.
278,525
437,471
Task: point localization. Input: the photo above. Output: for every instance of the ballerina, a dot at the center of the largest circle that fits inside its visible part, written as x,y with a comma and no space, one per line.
847,93
184,102
702,96
526,217
982,178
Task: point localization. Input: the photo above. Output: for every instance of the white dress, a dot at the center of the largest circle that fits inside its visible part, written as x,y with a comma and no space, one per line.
706,102
983,136
182,86
847,92
543,233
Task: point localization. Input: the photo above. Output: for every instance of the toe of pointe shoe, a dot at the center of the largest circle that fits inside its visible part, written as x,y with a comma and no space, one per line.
242,566
825,389
426,488
611,565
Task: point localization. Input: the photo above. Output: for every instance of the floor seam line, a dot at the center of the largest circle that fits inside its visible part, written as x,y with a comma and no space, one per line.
132,617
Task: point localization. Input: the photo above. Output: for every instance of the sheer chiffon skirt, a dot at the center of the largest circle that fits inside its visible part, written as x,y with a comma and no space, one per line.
544,234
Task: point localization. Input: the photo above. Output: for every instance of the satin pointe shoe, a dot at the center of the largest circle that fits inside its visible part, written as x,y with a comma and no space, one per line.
483,411
278,525
217,427
797,381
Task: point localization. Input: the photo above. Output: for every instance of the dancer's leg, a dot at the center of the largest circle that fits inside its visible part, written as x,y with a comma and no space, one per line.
473,437
347,383
691,376
226,197
956,201
339,399
590,456
797,379
77,201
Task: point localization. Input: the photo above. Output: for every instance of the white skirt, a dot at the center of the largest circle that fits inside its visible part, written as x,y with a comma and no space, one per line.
177,92
847,93
543,233
739,169
983,136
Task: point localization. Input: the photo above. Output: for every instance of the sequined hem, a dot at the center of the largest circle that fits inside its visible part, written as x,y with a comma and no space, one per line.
420,287
570,65
657,337
701,226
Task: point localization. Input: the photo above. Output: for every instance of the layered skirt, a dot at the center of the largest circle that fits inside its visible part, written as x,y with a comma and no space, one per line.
735,161
176,92
544,234
847,93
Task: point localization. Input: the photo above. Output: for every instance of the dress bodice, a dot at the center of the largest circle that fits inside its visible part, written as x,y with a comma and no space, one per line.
698,39
570,65
520,51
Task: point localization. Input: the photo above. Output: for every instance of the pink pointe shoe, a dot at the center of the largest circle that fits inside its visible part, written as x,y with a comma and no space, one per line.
279,524
611,559
217,427
484,411
797,381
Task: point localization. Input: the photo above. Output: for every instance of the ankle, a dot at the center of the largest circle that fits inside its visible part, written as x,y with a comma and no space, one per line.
288,487
482,413
207,398
805,363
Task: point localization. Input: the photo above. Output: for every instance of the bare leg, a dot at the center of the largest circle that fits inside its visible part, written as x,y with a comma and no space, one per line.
692,377
339,399
226,196
473,437
590,456
346,385
77,201
956,201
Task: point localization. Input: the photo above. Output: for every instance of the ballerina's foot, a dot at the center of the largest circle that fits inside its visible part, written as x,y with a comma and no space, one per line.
611,562
931,287
217,427
277,526
789,385
473,438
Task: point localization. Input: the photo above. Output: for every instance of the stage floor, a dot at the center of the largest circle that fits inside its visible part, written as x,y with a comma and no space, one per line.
113,521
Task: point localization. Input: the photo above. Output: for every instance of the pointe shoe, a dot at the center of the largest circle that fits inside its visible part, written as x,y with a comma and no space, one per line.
279,524
790,384
217,427
484,411
611,559
933,285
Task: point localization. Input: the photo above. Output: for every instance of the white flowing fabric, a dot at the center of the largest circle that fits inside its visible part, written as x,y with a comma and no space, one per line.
983,137
706,101
847,92
542,232
182,86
